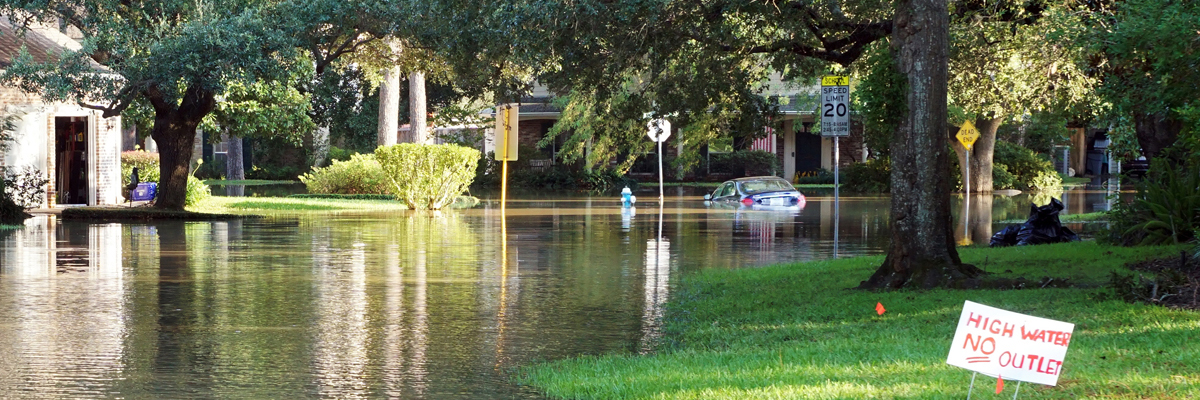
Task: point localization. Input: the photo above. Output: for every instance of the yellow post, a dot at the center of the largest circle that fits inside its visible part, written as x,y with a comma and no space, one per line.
505,115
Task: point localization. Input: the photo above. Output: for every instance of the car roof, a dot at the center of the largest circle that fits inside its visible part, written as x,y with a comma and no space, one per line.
755,178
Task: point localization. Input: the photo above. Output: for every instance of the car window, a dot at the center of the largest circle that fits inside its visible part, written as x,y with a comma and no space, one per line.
765,185
726,189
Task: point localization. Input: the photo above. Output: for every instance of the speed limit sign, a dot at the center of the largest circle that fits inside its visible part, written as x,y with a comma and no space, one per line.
835,106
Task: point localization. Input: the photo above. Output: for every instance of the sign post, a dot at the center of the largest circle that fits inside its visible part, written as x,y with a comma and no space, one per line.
1008,345
835,123
967,134
659,130
507,116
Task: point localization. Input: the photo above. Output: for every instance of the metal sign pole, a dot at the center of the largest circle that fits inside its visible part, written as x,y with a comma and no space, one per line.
660,173
972,388
836,199
504,115
967,199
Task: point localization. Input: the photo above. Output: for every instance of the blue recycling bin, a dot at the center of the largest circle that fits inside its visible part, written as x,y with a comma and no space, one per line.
145,191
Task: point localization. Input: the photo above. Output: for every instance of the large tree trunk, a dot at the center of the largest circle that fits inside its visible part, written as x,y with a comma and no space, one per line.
320,146
982,155
1155,132
922,252
416,107
175,132
234,170
389,107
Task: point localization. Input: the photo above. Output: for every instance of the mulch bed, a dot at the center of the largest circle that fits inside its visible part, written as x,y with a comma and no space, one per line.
1170,282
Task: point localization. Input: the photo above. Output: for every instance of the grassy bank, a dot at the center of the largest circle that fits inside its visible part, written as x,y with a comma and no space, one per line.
259,205
1099,216
247,182
794,331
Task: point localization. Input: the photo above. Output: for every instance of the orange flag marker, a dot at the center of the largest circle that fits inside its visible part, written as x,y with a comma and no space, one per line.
879,308
999,384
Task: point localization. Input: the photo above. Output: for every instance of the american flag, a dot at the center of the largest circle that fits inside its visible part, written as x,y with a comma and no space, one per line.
766,144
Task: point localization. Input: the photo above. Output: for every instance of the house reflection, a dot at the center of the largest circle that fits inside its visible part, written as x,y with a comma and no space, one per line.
66,307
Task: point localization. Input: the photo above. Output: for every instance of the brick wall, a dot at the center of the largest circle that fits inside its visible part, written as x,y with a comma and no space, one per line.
105,179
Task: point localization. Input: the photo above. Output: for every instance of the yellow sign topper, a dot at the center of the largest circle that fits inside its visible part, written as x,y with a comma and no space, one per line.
833,80
967,134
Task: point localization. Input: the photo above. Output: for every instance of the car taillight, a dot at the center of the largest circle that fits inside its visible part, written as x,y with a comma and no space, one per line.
748,201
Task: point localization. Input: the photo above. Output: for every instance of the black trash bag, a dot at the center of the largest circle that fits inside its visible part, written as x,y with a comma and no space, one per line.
1006,237
1041,227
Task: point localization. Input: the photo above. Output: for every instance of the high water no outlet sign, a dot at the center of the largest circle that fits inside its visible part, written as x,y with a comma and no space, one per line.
1012,346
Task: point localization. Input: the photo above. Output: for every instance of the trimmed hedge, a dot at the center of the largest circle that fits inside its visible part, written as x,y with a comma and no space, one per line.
743,163
428,176
146,163
361,174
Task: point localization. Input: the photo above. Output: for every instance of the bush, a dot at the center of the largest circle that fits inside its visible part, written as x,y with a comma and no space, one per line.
1001,178
26,188
1030,171
818,177
361,174
428,176
339,154
872,176
146,163
197,191
1166,208
743,163
11,213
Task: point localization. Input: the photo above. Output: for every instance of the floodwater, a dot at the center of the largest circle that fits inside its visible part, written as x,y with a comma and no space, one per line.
371,305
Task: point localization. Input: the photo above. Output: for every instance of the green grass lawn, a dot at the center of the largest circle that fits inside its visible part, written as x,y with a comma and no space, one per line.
796,331
244,205
246,182
1099,216
1070,181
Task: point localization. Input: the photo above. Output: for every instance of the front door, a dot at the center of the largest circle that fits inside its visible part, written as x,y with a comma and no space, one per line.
808,152
71,178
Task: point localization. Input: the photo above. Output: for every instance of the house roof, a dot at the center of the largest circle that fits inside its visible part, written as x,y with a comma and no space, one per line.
43,43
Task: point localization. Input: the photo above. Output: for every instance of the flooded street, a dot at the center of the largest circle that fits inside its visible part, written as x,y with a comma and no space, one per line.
369,305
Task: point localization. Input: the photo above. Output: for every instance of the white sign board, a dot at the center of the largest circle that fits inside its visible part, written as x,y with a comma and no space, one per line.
835,106
1012,346
658,130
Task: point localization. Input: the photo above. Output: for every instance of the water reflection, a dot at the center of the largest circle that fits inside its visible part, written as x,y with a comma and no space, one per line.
657,276
55,279
412,305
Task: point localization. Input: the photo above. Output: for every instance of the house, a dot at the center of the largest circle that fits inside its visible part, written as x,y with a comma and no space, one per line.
798,145
76,149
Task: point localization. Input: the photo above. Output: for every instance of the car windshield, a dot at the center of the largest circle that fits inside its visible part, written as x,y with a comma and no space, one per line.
765,185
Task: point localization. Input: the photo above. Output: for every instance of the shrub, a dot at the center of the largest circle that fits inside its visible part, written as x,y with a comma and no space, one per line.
743,163
818,177
872,176
26,188
1030,171
197,191
361,174
11,213
146,163
1001,178
1166,208
428,176
340,154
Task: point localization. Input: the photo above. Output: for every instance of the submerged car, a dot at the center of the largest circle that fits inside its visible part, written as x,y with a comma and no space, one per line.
757,191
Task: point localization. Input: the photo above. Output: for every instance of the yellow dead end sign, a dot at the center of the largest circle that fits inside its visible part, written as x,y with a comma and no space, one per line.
967,134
